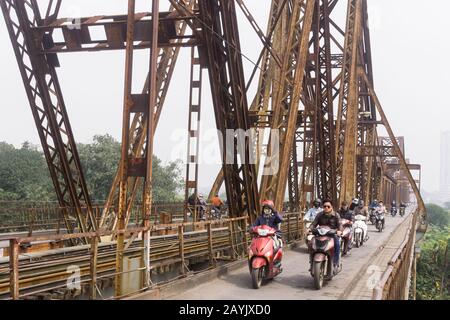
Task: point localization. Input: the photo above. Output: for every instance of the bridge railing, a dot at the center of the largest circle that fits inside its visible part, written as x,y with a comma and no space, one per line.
394,283
172,245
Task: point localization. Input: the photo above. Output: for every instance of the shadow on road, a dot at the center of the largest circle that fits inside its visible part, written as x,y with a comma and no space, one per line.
241,280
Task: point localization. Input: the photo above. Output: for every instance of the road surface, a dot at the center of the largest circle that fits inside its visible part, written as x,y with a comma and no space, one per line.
296,283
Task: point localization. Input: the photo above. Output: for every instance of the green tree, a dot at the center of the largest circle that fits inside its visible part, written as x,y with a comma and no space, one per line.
100,161
167,181
447,205
437,215
24,174
433,266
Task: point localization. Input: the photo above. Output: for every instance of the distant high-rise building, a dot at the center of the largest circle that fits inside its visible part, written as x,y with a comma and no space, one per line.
445,166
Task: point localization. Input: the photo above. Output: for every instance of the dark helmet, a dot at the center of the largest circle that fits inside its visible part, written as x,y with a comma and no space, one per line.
317,202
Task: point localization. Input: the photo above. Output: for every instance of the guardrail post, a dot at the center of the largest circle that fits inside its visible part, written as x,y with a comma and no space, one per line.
181,247
14,269
244,236
93,268
210,245
230,228
288,228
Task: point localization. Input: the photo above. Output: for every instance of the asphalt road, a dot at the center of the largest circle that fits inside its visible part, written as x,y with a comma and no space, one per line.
295,282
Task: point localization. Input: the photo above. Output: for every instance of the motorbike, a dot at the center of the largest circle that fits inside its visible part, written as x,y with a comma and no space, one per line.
360,234
347,236
394,211
372,216
321,256
216,213
308,236
380,221
264,264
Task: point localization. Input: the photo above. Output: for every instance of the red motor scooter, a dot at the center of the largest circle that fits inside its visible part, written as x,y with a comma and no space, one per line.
263,262
347,236
321,251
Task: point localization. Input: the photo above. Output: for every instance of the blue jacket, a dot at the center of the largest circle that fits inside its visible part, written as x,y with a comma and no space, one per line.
273,221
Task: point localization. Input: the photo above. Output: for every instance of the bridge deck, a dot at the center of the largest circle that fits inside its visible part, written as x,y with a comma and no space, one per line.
295,283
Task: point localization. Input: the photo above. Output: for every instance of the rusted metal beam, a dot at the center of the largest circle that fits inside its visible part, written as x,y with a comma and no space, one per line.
125,161
221,37
346,131
422,210
285,118
166,65
49,110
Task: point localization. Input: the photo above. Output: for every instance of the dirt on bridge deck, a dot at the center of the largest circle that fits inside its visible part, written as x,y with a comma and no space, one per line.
360,269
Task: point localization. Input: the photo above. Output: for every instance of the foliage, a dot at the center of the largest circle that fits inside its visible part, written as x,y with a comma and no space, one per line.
99,161
433,266
437,215
24,174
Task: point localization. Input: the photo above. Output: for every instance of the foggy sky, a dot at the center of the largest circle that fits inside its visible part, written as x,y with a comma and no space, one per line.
410,47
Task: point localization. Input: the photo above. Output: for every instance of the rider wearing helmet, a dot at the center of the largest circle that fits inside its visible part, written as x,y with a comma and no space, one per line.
374,204
328,217
314,211
270,217
345,212
361,209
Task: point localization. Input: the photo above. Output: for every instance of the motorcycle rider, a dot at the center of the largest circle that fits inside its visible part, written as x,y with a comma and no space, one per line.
314,211
270,217
345,212
402,207
361,209
374,204
393,206
381,209
328,217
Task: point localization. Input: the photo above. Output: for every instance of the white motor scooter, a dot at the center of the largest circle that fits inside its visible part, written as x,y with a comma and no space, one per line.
360,233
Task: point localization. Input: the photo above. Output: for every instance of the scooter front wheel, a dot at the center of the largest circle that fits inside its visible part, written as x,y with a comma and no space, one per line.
257,277
319,270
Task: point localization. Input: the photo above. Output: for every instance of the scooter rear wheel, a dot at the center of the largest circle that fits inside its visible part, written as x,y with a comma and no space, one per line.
257,277
319,270
358,242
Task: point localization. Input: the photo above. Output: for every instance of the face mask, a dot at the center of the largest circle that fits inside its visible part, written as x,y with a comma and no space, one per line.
267,212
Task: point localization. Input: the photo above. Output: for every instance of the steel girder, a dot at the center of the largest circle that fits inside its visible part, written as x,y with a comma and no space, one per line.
193,138
346,130
287,102
260,109
85,37
221,40
48,108
398,150
322,79
166,65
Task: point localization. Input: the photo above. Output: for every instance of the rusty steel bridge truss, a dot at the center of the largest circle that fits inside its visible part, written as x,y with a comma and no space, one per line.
315,92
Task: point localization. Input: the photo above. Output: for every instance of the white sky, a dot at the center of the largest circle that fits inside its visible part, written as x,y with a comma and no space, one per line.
410,57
